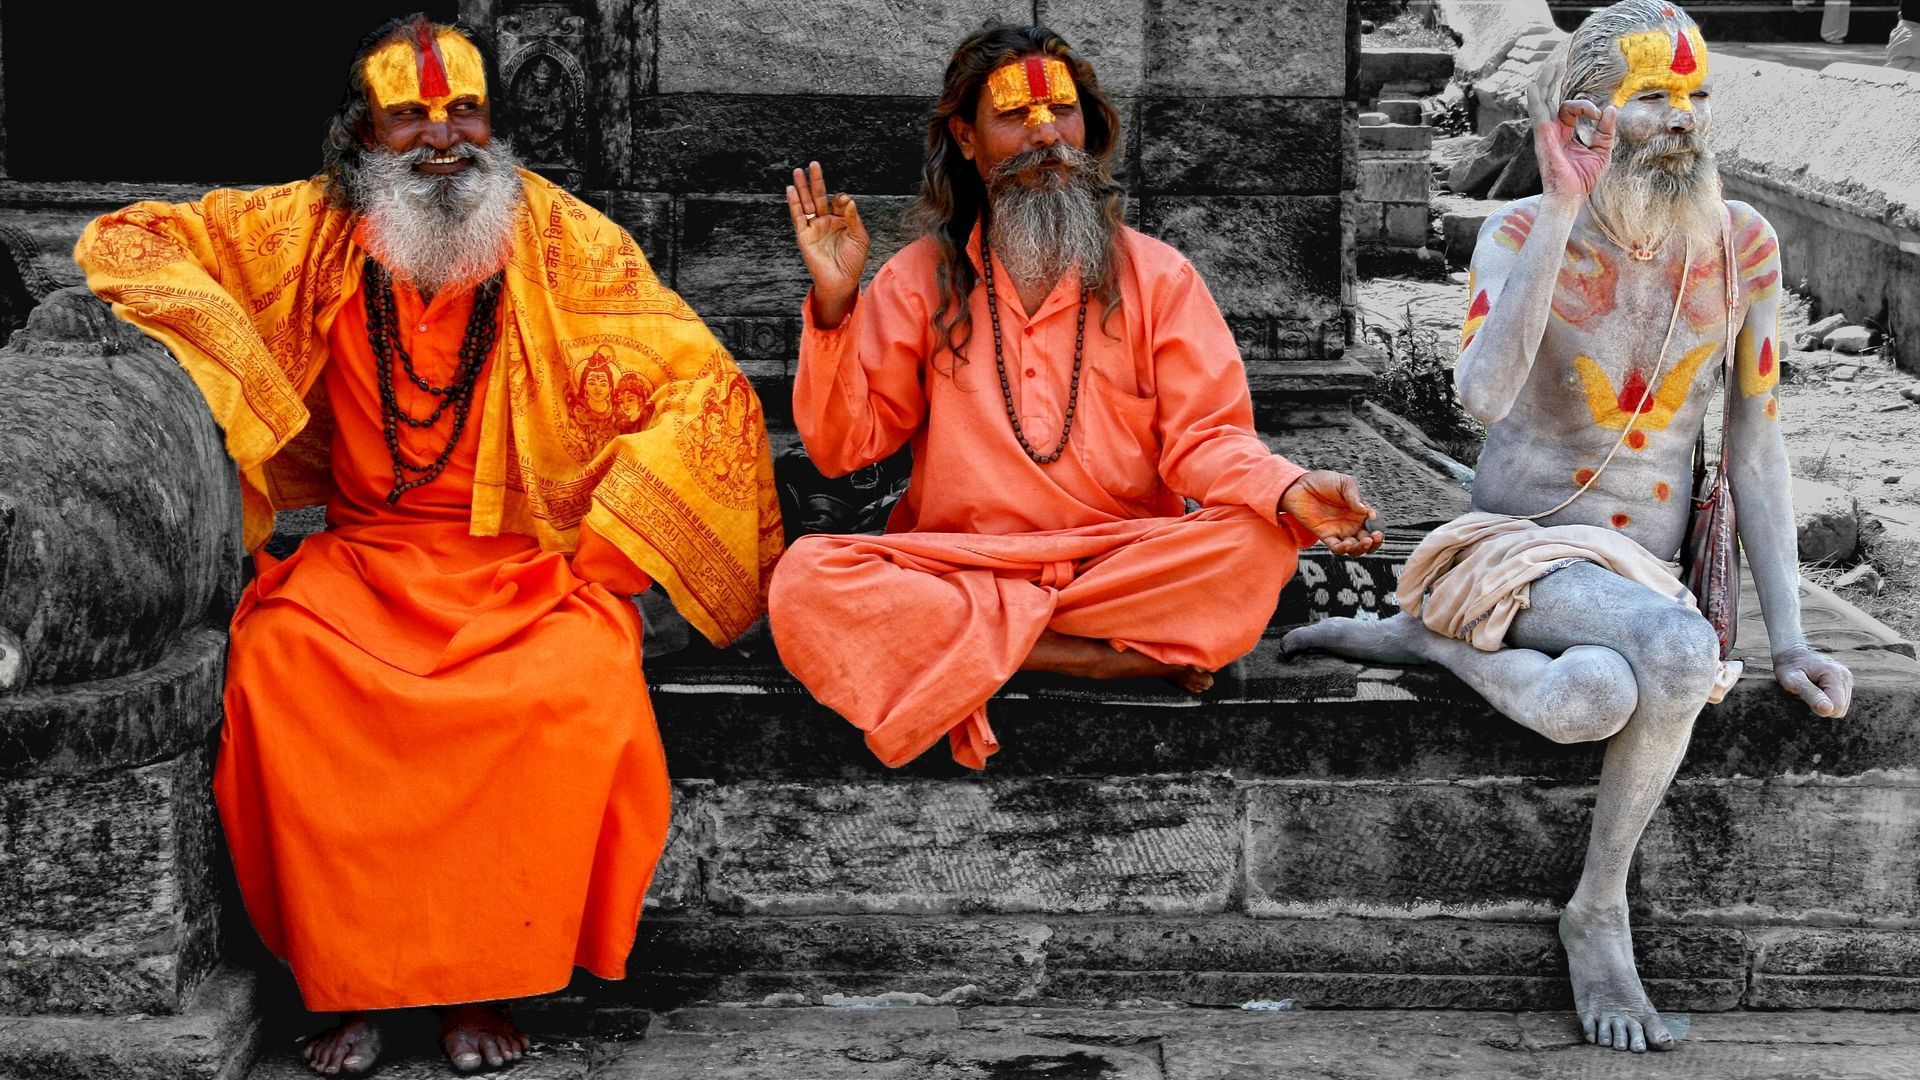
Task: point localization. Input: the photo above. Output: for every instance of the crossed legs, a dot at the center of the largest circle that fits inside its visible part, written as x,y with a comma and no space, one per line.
1595,656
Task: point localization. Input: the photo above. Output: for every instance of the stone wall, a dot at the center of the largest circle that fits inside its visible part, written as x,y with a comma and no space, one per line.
695,114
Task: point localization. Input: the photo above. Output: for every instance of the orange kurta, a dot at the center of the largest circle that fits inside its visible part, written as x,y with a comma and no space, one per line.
439,775
907,635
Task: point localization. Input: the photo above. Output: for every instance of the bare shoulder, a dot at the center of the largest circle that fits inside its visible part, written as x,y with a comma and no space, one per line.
1507,228
1756,249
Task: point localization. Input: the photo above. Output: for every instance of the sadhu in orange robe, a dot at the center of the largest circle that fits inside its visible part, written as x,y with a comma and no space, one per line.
908,634
439,774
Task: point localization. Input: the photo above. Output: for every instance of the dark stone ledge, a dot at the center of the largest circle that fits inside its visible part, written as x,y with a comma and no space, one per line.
116,723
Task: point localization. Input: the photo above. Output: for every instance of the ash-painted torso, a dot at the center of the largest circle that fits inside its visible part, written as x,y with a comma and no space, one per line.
1600,363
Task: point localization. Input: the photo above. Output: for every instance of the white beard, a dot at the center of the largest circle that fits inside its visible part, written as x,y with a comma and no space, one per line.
1042,232
1644,195
439,231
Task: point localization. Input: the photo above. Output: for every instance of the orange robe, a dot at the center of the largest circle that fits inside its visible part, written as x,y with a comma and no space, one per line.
439,774
908,634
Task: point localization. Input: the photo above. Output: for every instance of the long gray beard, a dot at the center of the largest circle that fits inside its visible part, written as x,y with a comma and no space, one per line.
1040,232
439,231
1648,192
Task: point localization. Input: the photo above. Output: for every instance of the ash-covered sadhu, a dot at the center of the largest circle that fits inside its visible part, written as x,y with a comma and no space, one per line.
1600,317
439,775
1066,383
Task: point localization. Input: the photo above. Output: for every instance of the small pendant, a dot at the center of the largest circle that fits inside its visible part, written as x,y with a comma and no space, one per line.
1641,254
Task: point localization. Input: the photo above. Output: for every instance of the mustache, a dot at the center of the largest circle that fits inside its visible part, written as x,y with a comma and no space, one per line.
420,155
1077,161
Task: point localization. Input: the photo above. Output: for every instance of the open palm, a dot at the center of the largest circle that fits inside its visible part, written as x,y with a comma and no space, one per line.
1329,504
833,243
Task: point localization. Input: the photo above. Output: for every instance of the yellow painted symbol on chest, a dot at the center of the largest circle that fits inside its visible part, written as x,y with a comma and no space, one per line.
1612,408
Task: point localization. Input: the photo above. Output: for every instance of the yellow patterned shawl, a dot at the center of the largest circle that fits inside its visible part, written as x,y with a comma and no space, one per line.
243,287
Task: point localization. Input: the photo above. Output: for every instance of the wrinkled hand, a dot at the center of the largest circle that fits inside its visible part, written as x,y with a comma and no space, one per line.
832,242
1815,678
1567,167
1329,504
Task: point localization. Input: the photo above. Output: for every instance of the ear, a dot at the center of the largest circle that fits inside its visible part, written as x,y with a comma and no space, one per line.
962,131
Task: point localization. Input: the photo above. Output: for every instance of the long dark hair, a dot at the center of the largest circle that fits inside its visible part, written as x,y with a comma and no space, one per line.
952,194
344,143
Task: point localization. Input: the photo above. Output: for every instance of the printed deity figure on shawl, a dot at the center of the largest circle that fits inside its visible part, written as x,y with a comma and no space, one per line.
1601,315
514,427
1066,384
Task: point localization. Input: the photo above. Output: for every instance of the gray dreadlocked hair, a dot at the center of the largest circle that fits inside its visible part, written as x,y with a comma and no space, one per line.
1595,64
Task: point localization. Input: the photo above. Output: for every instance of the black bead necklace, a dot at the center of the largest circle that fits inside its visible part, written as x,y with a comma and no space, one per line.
1000,363
383,334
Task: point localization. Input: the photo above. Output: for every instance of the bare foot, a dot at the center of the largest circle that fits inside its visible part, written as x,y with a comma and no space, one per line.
350,1047
1393,640
480,1035
1613,1006
1092,659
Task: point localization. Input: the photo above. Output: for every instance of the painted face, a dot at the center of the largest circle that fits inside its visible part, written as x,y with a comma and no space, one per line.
1673,61
433,73
1036,82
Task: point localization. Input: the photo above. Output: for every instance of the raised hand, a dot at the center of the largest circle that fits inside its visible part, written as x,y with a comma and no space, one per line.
1329,503
832,242
1567,166
1815,678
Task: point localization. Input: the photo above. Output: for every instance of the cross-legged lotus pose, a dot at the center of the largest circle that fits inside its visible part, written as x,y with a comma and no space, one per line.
439,774
1593,378
1064,382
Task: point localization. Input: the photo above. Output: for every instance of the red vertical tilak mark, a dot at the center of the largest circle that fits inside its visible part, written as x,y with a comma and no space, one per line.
1683,61
433,77
1037,79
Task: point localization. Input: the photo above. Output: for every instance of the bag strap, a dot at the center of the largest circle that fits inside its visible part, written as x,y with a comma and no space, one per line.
1733,310
1659,366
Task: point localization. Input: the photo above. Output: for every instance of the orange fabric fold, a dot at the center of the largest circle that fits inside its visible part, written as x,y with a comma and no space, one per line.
610,404
908,634
439,774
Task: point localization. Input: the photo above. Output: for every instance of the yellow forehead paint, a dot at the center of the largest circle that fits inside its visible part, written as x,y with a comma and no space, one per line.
1661,60
1035,82
429,68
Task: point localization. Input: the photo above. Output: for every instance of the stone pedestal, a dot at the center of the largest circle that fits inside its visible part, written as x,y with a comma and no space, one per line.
119,561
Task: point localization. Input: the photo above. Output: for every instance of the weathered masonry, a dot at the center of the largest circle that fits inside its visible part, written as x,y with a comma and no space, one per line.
1295,834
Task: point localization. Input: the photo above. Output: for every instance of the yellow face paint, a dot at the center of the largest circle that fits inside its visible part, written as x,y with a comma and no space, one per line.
1660,60
1035,82
404,73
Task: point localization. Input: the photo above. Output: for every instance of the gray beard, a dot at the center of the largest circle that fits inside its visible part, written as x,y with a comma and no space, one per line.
1649,193
1041,232
439,231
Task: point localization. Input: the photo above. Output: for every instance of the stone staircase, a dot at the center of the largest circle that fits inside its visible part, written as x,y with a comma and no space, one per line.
1394,145
1335,835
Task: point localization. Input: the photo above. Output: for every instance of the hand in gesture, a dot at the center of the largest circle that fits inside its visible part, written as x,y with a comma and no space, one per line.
1567,166
1815,678
832,242
1329,504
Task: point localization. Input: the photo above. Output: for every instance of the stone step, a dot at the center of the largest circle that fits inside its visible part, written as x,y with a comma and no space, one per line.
940,1042
1400,110
213,1038
1406,70
1395,138
1461,219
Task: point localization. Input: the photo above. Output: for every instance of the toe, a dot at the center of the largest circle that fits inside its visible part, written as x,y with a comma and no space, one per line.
1587,1026
490,1049
1636,1037
1620,1041
1658,1037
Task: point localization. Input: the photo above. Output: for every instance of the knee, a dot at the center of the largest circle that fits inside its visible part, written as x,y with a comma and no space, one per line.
1590,696
1677,660
1258,555
795,574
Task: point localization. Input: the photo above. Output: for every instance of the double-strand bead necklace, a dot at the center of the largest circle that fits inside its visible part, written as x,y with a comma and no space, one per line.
1000,363
383,333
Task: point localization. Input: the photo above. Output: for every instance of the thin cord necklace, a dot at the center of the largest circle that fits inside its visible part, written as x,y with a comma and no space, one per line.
1642,252
1000,364
383,335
